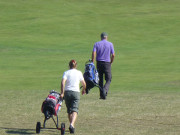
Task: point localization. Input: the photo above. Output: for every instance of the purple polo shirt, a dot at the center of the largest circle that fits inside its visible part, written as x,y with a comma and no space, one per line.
103,50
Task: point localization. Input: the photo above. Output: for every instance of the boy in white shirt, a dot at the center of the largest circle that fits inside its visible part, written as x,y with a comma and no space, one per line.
71,92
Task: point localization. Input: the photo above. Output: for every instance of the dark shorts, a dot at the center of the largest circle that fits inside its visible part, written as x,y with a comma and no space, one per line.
72,101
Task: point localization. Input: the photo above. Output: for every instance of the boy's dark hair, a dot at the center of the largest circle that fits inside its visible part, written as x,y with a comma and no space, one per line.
72,64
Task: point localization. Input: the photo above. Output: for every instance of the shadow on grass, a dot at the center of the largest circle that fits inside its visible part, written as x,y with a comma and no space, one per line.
19,131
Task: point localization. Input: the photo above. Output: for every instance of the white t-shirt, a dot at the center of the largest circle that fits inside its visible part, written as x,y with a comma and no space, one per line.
73,78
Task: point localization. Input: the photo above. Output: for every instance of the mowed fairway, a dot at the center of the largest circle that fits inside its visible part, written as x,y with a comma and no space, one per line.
39,37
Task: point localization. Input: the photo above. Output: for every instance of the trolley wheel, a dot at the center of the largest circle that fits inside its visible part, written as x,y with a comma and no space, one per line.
38,127
62,128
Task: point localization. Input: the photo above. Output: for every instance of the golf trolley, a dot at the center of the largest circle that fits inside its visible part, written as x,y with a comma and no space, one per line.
51,106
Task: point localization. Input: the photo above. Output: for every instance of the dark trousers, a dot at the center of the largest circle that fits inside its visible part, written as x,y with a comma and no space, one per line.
104,68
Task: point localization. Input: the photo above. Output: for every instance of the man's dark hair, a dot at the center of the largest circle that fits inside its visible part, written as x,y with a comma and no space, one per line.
104,34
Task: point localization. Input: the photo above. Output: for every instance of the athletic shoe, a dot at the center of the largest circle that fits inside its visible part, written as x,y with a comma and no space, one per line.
103,97
71,129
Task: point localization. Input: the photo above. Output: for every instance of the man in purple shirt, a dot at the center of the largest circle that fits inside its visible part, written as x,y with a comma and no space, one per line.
104,53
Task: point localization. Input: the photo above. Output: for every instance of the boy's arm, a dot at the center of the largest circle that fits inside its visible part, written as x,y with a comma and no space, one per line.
62,87
84,87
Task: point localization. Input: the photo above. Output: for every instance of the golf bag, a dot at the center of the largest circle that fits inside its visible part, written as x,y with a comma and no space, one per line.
51,106
91,76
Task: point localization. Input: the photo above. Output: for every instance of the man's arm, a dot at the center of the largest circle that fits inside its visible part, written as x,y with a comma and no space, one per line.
84,87
112,58
62,87
93,56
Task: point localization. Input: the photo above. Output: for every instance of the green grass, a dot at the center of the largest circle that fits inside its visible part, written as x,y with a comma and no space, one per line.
122,113
39,37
